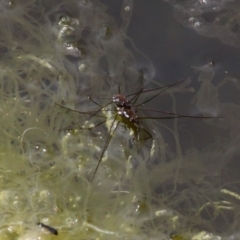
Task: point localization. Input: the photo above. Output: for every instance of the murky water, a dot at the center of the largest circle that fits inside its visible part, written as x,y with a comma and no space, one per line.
159,179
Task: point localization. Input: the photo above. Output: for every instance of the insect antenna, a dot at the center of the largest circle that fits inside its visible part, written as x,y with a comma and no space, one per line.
97,103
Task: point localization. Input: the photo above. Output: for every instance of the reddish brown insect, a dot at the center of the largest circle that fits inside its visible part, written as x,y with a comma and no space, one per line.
127,110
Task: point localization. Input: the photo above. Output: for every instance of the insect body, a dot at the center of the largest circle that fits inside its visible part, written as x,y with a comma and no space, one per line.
127,110
128,113
121,101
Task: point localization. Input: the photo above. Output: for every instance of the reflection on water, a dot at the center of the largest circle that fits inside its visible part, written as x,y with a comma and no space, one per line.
182,182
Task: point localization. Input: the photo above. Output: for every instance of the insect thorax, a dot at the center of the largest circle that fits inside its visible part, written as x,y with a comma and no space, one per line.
128,114
120,100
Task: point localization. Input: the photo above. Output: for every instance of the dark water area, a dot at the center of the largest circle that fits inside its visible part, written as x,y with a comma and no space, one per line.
173,48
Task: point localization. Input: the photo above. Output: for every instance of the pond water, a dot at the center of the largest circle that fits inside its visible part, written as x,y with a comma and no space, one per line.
156,178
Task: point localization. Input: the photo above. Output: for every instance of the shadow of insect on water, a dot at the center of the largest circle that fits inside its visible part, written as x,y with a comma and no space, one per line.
126,108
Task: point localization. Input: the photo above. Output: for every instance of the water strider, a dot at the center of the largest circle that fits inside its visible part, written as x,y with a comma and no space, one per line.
126,112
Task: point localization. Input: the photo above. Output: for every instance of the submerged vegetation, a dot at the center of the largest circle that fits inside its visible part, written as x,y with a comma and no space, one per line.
167,187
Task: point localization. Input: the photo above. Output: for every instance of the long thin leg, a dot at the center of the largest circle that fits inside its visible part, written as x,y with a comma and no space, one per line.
155,89
109,136
175,115
85,119
89,128
73,110
151,98
135,98
147,132
119,91
94,102
92,114
178,116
